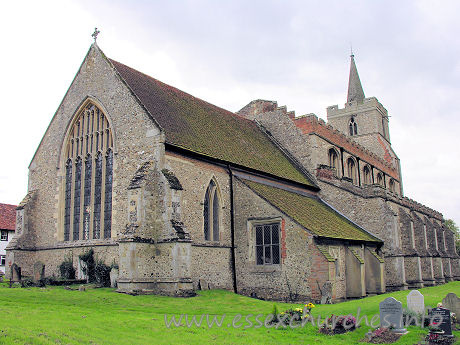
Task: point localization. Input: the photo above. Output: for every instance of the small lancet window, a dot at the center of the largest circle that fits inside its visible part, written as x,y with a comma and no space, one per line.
353,127
379,179
87,200
211,213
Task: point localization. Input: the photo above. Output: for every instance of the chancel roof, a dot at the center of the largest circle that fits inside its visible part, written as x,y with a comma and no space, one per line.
312,213
200,127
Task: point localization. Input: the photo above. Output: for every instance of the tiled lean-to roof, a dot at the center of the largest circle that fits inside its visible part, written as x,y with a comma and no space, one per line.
311,213
200,127
7,217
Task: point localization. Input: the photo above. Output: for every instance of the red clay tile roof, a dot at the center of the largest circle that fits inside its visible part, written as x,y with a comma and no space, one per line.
7,217
312,213
200,127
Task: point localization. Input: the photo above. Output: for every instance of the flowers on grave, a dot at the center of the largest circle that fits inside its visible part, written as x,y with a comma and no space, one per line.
338,324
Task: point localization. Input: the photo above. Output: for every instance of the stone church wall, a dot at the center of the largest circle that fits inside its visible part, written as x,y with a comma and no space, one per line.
297,251
210,261
98,82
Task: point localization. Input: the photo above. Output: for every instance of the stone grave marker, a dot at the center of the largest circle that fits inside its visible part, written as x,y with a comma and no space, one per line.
39,271
1,277
203,284
441,317
113,277
416,302
452,302
391,315
326,293
15,273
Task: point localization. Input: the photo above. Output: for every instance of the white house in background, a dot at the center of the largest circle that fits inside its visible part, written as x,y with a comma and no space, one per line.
7,226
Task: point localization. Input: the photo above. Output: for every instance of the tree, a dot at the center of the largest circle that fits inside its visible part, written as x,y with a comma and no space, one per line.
450,224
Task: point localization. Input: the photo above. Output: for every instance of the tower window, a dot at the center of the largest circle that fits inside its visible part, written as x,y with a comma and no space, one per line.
88,186
353,127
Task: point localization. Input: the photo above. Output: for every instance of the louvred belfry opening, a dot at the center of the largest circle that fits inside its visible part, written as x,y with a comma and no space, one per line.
88,191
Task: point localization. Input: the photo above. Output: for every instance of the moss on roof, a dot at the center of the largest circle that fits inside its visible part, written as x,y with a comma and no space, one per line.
200,127
325,251
311,213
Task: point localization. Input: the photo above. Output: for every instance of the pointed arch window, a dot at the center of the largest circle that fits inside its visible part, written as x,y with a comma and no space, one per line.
379,179
392,185
334,160
367,175
211,213
351,169
353,127
88,183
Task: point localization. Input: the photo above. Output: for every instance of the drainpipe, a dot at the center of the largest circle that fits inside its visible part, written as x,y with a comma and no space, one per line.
232,230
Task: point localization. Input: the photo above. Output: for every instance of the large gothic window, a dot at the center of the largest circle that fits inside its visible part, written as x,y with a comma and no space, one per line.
211,213
88,177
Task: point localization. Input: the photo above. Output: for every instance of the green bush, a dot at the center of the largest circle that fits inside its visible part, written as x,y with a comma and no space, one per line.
102,274
67,270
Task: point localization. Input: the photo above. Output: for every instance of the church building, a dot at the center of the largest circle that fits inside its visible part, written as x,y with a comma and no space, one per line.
184,195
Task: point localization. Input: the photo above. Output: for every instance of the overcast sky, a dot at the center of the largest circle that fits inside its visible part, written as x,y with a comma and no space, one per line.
232,52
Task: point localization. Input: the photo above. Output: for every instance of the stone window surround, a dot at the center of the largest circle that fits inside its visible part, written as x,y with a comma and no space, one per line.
333,153
251,228
4,235
212,191
89,137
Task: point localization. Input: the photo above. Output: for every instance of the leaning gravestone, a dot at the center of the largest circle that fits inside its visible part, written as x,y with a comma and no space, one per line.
452,302
39,271
440,317
113,277
416,302
391,315
15,273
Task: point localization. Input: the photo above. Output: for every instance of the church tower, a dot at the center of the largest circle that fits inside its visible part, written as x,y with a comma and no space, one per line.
363,119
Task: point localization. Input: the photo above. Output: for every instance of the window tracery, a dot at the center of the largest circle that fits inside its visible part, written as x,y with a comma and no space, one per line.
88,176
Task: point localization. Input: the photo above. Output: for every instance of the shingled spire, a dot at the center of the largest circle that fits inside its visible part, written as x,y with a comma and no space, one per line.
355,89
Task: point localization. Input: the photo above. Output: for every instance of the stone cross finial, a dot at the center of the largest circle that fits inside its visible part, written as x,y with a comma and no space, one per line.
95,33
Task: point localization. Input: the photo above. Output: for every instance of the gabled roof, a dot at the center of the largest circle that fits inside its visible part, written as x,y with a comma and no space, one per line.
197,126
7,217
312,213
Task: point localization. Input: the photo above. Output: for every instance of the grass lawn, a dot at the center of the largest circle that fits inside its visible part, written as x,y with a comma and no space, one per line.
53,315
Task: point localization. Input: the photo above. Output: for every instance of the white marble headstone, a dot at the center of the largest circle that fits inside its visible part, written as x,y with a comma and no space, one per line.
416,302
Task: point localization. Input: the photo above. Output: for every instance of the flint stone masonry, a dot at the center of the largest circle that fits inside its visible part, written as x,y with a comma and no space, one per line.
157,234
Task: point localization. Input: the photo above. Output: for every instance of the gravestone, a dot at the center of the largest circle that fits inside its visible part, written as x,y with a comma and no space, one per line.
416,302
15,273
113,277
326,293
440,317
203,284
391,315
39,271
452,302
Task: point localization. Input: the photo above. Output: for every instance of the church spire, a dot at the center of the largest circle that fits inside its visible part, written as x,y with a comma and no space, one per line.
355,89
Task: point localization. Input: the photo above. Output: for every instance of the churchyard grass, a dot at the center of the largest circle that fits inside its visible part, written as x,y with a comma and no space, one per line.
54,315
